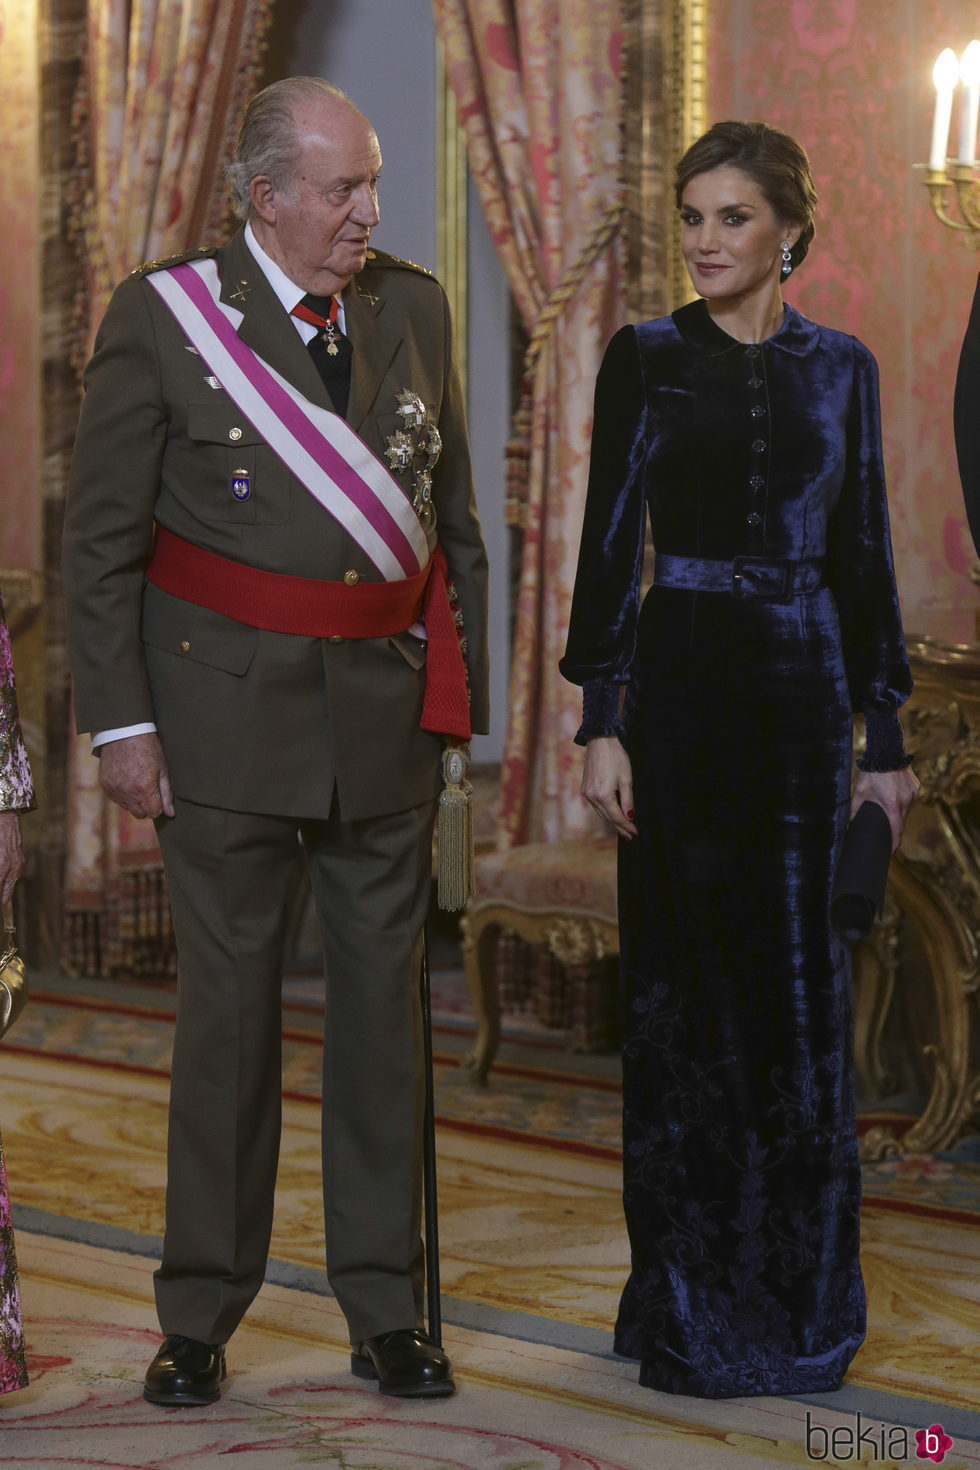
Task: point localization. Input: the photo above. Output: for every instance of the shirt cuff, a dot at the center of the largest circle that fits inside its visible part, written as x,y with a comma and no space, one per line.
600,710
884,748
105,737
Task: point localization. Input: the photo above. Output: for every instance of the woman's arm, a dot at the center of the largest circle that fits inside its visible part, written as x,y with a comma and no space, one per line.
607,783
605,601
893,790
11,854
862,577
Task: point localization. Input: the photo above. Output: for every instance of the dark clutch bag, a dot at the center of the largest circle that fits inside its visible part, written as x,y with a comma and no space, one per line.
859,887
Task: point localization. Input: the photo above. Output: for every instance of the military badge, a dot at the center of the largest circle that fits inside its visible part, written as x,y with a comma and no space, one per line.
416,447
400,452
240,486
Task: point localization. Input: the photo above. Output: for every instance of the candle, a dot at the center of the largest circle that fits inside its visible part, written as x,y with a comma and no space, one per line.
944,75
970,77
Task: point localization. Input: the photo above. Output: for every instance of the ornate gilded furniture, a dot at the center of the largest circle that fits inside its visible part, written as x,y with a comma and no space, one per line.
917,1027
558,895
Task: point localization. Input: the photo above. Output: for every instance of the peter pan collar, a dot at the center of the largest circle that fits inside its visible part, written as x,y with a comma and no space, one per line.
797,335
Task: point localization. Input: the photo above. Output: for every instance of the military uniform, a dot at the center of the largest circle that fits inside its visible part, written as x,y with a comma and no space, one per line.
266,734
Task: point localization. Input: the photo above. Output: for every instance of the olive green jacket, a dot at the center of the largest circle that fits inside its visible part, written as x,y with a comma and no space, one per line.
252,720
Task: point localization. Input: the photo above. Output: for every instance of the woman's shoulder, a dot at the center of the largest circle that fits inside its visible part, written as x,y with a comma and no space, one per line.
658,331
833,339
637,352
644,341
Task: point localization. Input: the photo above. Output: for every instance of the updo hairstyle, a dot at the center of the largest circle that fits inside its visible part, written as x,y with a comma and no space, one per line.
772,159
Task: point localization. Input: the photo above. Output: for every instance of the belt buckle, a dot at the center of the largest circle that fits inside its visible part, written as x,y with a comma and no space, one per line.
783,594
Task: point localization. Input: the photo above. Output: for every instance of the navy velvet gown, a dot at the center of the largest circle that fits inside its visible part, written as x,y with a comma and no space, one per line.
742,1182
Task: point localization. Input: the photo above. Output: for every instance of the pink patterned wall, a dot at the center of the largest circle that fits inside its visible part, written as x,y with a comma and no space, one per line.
852,79
20,361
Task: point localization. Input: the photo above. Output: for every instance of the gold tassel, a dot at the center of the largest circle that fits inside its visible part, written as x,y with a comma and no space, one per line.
455,872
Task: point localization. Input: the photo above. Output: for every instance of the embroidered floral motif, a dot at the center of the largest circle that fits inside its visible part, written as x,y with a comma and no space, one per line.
16,784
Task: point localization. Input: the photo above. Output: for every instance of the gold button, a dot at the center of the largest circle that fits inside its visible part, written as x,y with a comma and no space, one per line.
235,434
336,638
185,646
352,578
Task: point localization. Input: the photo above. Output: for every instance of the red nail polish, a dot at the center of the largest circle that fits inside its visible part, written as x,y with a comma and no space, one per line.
631,814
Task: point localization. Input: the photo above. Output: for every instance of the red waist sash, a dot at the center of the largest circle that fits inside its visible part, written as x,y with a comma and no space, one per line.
318,609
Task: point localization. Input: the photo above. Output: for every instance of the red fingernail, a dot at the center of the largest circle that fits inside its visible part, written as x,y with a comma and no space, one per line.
631,814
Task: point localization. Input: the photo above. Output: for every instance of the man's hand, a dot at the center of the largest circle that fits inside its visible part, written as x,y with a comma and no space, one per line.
133,774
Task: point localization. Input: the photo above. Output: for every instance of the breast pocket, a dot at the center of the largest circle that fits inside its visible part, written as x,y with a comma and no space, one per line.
246,482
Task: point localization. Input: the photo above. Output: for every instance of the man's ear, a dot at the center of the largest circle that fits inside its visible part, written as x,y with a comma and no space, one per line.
263,197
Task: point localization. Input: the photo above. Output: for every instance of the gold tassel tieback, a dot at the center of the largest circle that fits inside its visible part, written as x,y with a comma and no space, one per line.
455,872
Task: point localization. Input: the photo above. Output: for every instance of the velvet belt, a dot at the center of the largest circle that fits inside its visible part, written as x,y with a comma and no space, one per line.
770,579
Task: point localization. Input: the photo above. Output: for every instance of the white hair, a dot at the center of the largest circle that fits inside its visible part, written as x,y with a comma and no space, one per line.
268,142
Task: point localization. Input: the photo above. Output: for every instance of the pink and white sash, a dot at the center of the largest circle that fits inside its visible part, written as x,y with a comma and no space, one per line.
317,446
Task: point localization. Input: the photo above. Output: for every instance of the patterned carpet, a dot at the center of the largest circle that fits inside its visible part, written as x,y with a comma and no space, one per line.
533,1258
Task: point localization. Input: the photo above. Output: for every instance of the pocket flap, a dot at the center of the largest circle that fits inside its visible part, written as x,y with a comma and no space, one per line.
197,633
220,422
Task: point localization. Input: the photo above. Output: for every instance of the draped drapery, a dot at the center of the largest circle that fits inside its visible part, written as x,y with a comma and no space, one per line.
167,81
538,90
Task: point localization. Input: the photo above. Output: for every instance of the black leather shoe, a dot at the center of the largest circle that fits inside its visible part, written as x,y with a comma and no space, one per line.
184,1373
406,1363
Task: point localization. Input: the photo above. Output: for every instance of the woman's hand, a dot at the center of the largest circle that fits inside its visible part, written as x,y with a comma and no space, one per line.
11,854
893,790
607,783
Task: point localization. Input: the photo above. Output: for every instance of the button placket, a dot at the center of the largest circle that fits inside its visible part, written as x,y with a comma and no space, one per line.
758,416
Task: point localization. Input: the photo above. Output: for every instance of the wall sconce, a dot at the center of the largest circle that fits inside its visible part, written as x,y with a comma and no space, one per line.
961,172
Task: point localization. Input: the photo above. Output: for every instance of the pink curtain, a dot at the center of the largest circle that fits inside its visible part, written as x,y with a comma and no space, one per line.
167,83
538,88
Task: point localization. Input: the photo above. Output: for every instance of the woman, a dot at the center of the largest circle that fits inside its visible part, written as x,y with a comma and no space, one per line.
16,795
752,436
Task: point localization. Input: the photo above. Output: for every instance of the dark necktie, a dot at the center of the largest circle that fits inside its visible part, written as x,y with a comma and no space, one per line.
330,349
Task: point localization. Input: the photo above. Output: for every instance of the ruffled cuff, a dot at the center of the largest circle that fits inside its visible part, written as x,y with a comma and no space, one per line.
600,710
884,748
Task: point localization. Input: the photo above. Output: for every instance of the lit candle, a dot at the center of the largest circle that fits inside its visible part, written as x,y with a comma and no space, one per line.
970,77
944,74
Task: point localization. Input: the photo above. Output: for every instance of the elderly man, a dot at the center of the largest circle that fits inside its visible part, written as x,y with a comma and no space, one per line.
270,477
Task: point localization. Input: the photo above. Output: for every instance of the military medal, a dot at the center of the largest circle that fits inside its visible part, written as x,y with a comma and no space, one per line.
240,487
400,451
417,447
329,331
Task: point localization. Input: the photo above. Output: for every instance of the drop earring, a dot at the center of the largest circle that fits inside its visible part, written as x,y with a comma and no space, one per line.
787,260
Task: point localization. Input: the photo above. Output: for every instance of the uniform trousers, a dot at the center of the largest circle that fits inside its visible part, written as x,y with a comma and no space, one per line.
229,876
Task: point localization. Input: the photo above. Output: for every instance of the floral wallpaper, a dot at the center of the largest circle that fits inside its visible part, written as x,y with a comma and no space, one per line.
852,79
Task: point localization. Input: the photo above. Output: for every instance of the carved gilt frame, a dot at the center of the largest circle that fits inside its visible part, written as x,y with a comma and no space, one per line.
664,112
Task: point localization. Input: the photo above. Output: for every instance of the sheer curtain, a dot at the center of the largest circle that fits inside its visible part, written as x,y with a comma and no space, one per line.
538,89
167,81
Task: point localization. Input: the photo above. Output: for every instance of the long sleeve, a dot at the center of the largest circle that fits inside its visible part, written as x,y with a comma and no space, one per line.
861,574
459,532
108,537
16,783
966,419
606,599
